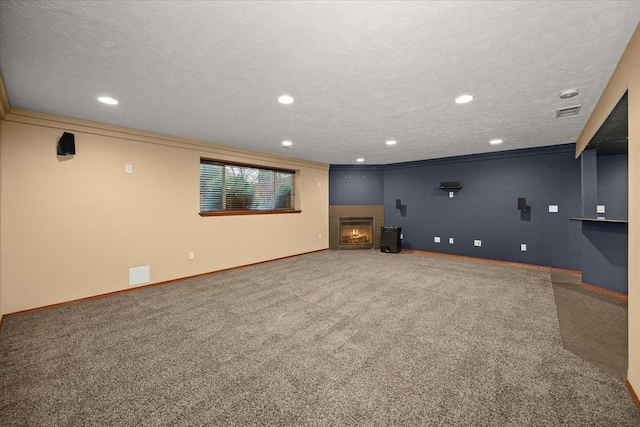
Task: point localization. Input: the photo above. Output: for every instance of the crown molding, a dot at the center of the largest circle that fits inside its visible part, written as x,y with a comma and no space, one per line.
209,150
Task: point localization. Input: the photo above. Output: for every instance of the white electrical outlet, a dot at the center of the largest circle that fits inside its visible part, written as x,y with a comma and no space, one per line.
401,236
128,168
451,240
436,239
553,208
523,247
192,255
319,236
600,209
477,243
450,193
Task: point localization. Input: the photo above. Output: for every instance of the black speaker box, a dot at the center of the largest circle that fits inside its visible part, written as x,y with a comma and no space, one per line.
390,240
450,184
522,204
66,144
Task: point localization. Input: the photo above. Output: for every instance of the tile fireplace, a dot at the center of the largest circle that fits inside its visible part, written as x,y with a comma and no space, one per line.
355,226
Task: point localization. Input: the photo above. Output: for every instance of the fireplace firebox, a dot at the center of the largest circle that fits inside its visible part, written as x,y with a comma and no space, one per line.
356,233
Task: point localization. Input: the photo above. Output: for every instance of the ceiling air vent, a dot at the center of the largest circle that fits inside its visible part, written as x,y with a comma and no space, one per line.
569,111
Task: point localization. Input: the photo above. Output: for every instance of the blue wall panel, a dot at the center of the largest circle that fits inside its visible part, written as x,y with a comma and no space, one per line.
613,184
605,255
356,185
486,207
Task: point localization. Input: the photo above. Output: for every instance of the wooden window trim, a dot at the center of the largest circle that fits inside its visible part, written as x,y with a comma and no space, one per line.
250,212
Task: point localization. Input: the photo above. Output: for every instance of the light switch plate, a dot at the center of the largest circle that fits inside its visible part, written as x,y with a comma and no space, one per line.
450,193
523,247
451,240
553,208
128,168
436,239
600,209
477,243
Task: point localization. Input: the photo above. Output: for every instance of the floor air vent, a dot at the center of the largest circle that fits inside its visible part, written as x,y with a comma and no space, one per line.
569,111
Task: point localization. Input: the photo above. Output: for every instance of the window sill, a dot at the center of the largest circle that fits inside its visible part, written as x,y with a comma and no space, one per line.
248,212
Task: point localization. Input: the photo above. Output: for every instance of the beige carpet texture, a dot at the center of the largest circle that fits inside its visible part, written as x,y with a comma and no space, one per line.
336,338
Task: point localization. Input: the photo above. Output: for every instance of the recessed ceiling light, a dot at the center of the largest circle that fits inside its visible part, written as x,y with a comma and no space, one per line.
287,143
360,160
463,99
107,100
285,99
495,141
391,142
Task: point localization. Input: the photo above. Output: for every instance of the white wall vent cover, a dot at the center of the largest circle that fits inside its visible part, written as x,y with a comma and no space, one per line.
139,275
569,111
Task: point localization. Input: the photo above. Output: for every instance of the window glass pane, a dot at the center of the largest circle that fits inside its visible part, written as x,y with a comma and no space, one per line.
283,190
264,190
240,187
210,187
233,187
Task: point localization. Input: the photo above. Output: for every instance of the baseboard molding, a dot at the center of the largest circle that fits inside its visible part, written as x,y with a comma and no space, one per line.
633,394
604,291
137,288
495,261
522,265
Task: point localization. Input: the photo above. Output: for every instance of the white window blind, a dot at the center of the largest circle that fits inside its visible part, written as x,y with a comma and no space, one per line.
229,187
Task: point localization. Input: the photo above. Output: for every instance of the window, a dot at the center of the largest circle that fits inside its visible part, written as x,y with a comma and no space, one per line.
241,189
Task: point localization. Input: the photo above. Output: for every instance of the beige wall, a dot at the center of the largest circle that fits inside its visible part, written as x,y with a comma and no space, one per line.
72,227
626,77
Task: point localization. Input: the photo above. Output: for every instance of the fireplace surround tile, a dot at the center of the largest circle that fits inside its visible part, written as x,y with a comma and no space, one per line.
354,211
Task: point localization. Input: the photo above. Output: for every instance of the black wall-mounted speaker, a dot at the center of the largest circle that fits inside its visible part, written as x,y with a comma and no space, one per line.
450,184
522,203
67,144
398,204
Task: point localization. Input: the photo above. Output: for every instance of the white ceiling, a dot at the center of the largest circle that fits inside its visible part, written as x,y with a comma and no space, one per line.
361,73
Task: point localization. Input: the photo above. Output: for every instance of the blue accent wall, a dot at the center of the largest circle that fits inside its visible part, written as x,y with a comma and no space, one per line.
356,185
613,184
485,208
604,244
605,255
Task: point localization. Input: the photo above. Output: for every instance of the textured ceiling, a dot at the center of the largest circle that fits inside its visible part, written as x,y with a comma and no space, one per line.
361,72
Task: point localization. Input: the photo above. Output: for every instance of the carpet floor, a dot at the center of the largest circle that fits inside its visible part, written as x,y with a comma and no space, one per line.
329,338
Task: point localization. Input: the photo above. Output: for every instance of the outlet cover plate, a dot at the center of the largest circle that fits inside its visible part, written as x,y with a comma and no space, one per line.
477,243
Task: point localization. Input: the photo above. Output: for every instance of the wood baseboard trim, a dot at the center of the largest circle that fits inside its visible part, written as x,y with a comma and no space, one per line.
494,261
521,265
566,271
604,291
122,291
633,394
